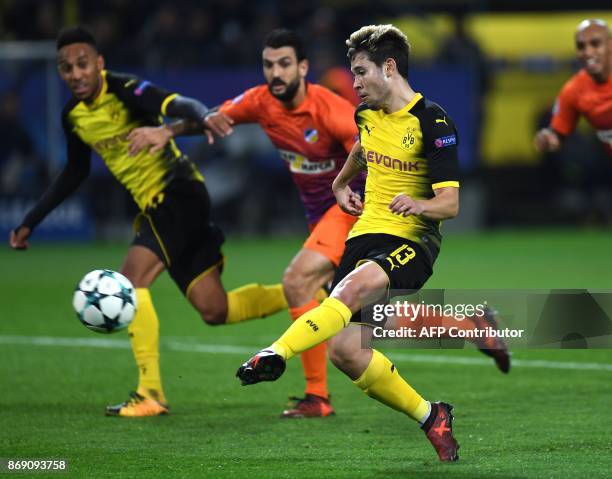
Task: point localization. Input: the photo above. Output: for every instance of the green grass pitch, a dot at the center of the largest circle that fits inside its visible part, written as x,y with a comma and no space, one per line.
536,422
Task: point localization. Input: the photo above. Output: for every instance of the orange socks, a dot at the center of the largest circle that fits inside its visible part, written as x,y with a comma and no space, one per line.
314,360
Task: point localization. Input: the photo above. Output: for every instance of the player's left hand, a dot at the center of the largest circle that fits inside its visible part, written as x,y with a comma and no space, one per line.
404,205
153,137
349,201
19,237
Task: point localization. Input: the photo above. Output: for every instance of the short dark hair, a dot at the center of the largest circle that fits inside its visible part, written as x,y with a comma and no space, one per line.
76,34
381,42
282,37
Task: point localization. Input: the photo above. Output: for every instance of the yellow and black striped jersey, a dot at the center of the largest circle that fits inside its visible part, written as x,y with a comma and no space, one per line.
125,102
411,151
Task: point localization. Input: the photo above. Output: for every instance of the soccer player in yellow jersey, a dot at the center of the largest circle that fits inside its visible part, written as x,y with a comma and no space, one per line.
173,229
409,147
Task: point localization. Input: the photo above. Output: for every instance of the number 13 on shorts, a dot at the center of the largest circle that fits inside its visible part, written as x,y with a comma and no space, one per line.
401,256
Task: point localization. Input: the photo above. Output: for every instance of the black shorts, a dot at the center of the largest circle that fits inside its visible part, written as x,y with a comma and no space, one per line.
177,228
407,264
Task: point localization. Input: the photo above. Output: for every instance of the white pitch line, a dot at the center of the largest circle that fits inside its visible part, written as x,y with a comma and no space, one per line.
188,347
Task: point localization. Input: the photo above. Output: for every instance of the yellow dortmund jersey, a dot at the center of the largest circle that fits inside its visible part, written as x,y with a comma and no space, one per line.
124,103
411,151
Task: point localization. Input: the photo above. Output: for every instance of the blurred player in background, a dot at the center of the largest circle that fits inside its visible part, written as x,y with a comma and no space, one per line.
588,93
408,144
314,130
340,80
173,230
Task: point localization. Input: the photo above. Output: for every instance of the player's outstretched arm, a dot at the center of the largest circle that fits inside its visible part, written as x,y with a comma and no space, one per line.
144,96
209,121
348,200
156,138
547,141
153,138
73,174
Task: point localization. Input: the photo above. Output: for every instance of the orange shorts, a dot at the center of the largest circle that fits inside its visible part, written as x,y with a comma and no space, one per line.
328,235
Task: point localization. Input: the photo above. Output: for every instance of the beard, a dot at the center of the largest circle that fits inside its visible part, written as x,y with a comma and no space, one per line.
290,90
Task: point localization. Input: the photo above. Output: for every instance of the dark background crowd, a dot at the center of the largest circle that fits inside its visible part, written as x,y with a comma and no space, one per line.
225,36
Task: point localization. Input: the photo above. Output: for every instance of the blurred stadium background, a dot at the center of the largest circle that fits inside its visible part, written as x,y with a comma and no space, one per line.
505,61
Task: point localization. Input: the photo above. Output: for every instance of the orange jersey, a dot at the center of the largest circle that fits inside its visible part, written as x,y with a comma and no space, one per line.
581,95
313,139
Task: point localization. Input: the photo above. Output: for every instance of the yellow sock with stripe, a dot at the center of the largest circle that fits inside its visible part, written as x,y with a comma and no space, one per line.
382,382
254,301
144,337
313,327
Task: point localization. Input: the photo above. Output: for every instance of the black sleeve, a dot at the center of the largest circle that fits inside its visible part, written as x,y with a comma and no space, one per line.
23,141
440,142
187,109
73,174
144,96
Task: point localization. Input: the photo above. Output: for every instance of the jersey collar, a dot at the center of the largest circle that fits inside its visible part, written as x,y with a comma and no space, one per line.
307,98
101,93
408,107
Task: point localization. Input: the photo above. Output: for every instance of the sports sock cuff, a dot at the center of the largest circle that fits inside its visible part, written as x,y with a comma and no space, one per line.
426,414
300,310
373,371
338,306
281,349
433,412
143,295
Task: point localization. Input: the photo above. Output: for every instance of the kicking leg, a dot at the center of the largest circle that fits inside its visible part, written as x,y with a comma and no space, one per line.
364,285
371,371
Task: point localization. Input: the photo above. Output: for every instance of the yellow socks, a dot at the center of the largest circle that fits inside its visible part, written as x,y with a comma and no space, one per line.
144,336
254,301
382,382
312,328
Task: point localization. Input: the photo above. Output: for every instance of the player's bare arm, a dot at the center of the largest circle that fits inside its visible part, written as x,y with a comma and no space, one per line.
443,206
74,173
547,140
156,138
348,200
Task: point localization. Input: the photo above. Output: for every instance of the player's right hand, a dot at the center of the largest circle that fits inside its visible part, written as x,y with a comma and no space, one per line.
349,201
19,237
218,123
153,137
546,140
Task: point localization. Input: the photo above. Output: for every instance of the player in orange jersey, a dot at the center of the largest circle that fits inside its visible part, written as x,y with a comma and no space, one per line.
340,80
588,93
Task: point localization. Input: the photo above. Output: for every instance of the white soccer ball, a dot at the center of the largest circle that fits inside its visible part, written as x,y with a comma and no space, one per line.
105,301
